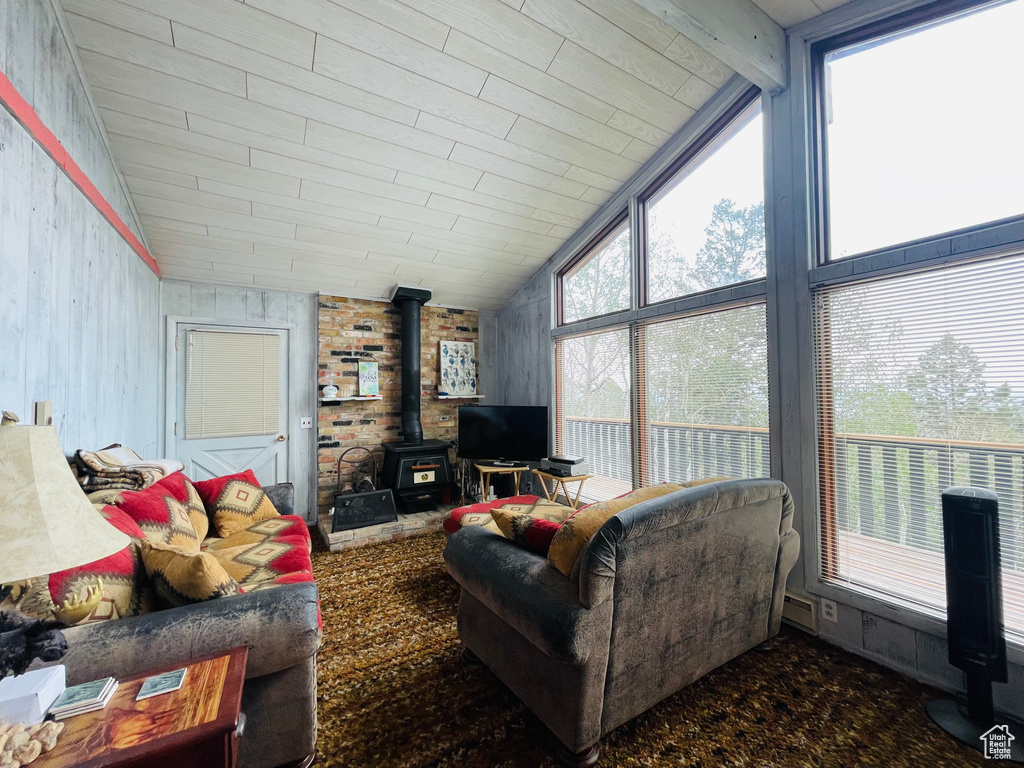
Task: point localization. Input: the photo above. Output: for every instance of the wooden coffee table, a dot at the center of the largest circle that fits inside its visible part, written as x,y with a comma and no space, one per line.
197,725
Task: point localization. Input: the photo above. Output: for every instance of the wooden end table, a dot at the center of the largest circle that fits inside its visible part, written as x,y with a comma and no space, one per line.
199,724
559,482
486,470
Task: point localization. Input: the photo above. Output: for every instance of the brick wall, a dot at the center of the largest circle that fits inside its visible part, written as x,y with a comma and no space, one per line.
355,329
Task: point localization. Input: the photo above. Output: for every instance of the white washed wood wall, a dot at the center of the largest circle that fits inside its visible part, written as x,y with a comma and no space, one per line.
78,308
296,311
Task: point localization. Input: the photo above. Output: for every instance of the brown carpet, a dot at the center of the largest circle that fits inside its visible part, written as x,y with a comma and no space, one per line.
394,691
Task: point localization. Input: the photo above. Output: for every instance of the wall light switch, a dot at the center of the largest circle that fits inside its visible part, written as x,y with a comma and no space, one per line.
306,422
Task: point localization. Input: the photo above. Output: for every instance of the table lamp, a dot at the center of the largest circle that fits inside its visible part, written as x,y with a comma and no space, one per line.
46,525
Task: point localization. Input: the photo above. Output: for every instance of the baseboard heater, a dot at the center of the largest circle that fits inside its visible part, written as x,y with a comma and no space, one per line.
801,612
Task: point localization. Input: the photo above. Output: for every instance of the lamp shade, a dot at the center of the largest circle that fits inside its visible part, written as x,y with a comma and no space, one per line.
46,521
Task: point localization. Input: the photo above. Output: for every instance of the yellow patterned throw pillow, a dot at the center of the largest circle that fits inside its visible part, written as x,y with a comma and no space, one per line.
235,502
575,532
705,481
181,578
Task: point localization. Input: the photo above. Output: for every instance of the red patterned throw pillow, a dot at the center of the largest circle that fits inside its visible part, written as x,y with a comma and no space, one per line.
184,491
235,502
111,588
162,518
120,578
526,530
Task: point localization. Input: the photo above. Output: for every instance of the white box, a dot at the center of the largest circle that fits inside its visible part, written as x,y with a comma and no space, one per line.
27,698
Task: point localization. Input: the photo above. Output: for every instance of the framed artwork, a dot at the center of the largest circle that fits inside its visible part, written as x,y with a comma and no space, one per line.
369,381
458,368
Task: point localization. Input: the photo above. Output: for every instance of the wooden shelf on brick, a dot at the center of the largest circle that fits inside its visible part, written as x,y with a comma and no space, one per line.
352,397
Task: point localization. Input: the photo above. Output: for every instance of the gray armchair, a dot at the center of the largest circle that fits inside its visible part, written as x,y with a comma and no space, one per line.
665,592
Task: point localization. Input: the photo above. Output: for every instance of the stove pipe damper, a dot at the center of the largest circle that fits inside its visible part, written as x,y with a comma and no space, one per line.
416,469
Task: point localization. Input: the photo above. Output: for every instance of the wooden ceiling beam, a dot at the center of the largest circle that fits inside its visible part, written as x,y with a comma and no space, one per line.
735,31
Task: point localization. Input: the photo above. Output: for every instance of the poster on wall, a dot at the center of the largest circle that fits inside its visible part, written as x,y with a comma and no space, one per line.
458,368
369,382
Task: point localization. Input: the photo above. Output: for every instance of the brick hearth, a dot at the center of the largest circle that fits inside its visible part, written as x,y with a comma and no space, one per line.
406,526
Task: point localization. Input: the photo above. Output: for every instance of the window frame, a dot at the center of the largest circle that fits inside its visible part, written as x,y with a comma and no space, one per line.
921,17
711,136
794,133
636,329
582,258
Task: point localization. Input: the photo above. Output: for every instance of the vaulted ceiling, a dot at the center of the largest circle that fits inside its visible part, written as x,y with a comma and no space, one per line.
344,146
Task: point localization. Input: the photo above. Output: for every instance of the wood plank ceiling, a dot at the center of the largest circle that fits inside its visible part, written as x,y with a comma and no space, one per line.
344,146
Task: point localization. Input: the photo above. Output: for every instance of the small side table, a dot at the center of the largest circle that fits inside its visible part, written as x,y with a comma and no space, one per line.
486,470
559,482
199,724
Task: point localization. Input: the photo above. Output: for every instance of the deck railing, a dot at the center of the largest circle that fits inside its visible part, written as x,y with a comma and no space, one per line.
888,488
675,451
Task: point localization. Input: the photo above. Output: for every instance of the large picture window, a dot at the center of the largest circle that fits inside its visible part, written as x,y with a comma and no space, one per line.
593,408
666,401
598,283
682,394
705,224
705,383
920,382
904,160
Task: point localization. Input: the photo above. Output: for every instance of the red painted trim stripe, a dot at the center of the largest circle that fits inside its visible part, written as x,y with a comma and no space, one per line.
24,114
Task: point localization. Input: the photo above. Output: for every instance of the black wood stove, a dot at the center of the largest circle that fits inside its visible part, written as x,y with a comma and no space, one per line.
417,470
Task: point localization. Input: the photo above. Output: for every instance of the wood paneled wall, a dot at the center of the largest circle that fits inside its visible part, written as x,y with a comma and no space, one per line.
78,308
244,306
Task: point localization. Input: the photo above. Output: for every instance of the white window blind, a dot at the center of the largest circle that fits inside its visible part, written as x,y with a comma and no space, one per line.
231,384
593,407
705,395
920,385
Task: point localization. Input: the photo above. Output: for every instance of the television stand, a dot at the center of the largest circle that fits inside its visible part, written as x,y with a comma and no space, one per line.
494,468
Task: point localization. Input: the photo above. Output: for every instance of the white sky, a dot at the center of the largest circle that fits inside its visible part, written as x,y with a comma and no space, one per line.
928,132
734,171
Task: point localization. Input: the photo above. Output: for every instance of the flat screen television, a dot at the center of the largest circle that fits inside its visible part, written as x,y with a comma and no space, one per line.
503,432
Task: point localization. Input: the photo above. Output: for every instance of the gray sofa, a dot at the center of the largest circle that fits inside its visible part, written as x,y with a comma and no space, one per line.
278,625
665,592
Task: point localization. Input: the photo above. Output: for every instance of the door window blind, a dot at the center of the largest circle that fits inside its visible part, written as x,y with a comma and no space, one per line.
232,384
920,386
705,396
593,408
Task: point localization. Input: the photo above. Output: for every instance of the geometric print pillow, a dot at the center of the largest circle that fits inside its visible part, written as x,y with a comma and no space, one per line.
182,489
235,502
125,589
542,509
531,533
182,578
162,518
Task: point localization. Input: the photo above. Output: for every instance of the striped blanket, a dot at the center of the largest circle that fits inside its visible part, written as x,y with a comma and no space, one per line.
119,468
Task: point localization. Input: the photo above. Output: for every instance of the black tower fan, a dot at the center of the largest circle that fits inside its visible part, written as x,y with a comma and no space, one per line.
974,617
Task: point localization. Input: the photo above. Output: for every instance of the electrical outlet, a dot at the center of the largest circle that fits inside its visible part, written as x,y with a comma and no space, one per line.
306,422
829,611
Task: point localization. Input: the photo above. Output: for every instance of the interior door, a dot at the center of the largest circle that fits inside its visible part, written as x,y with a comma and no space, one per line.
231,410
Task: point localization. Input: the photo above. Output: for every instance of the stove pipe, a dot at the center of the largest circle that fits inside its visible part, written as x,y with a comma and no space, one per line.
409,300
